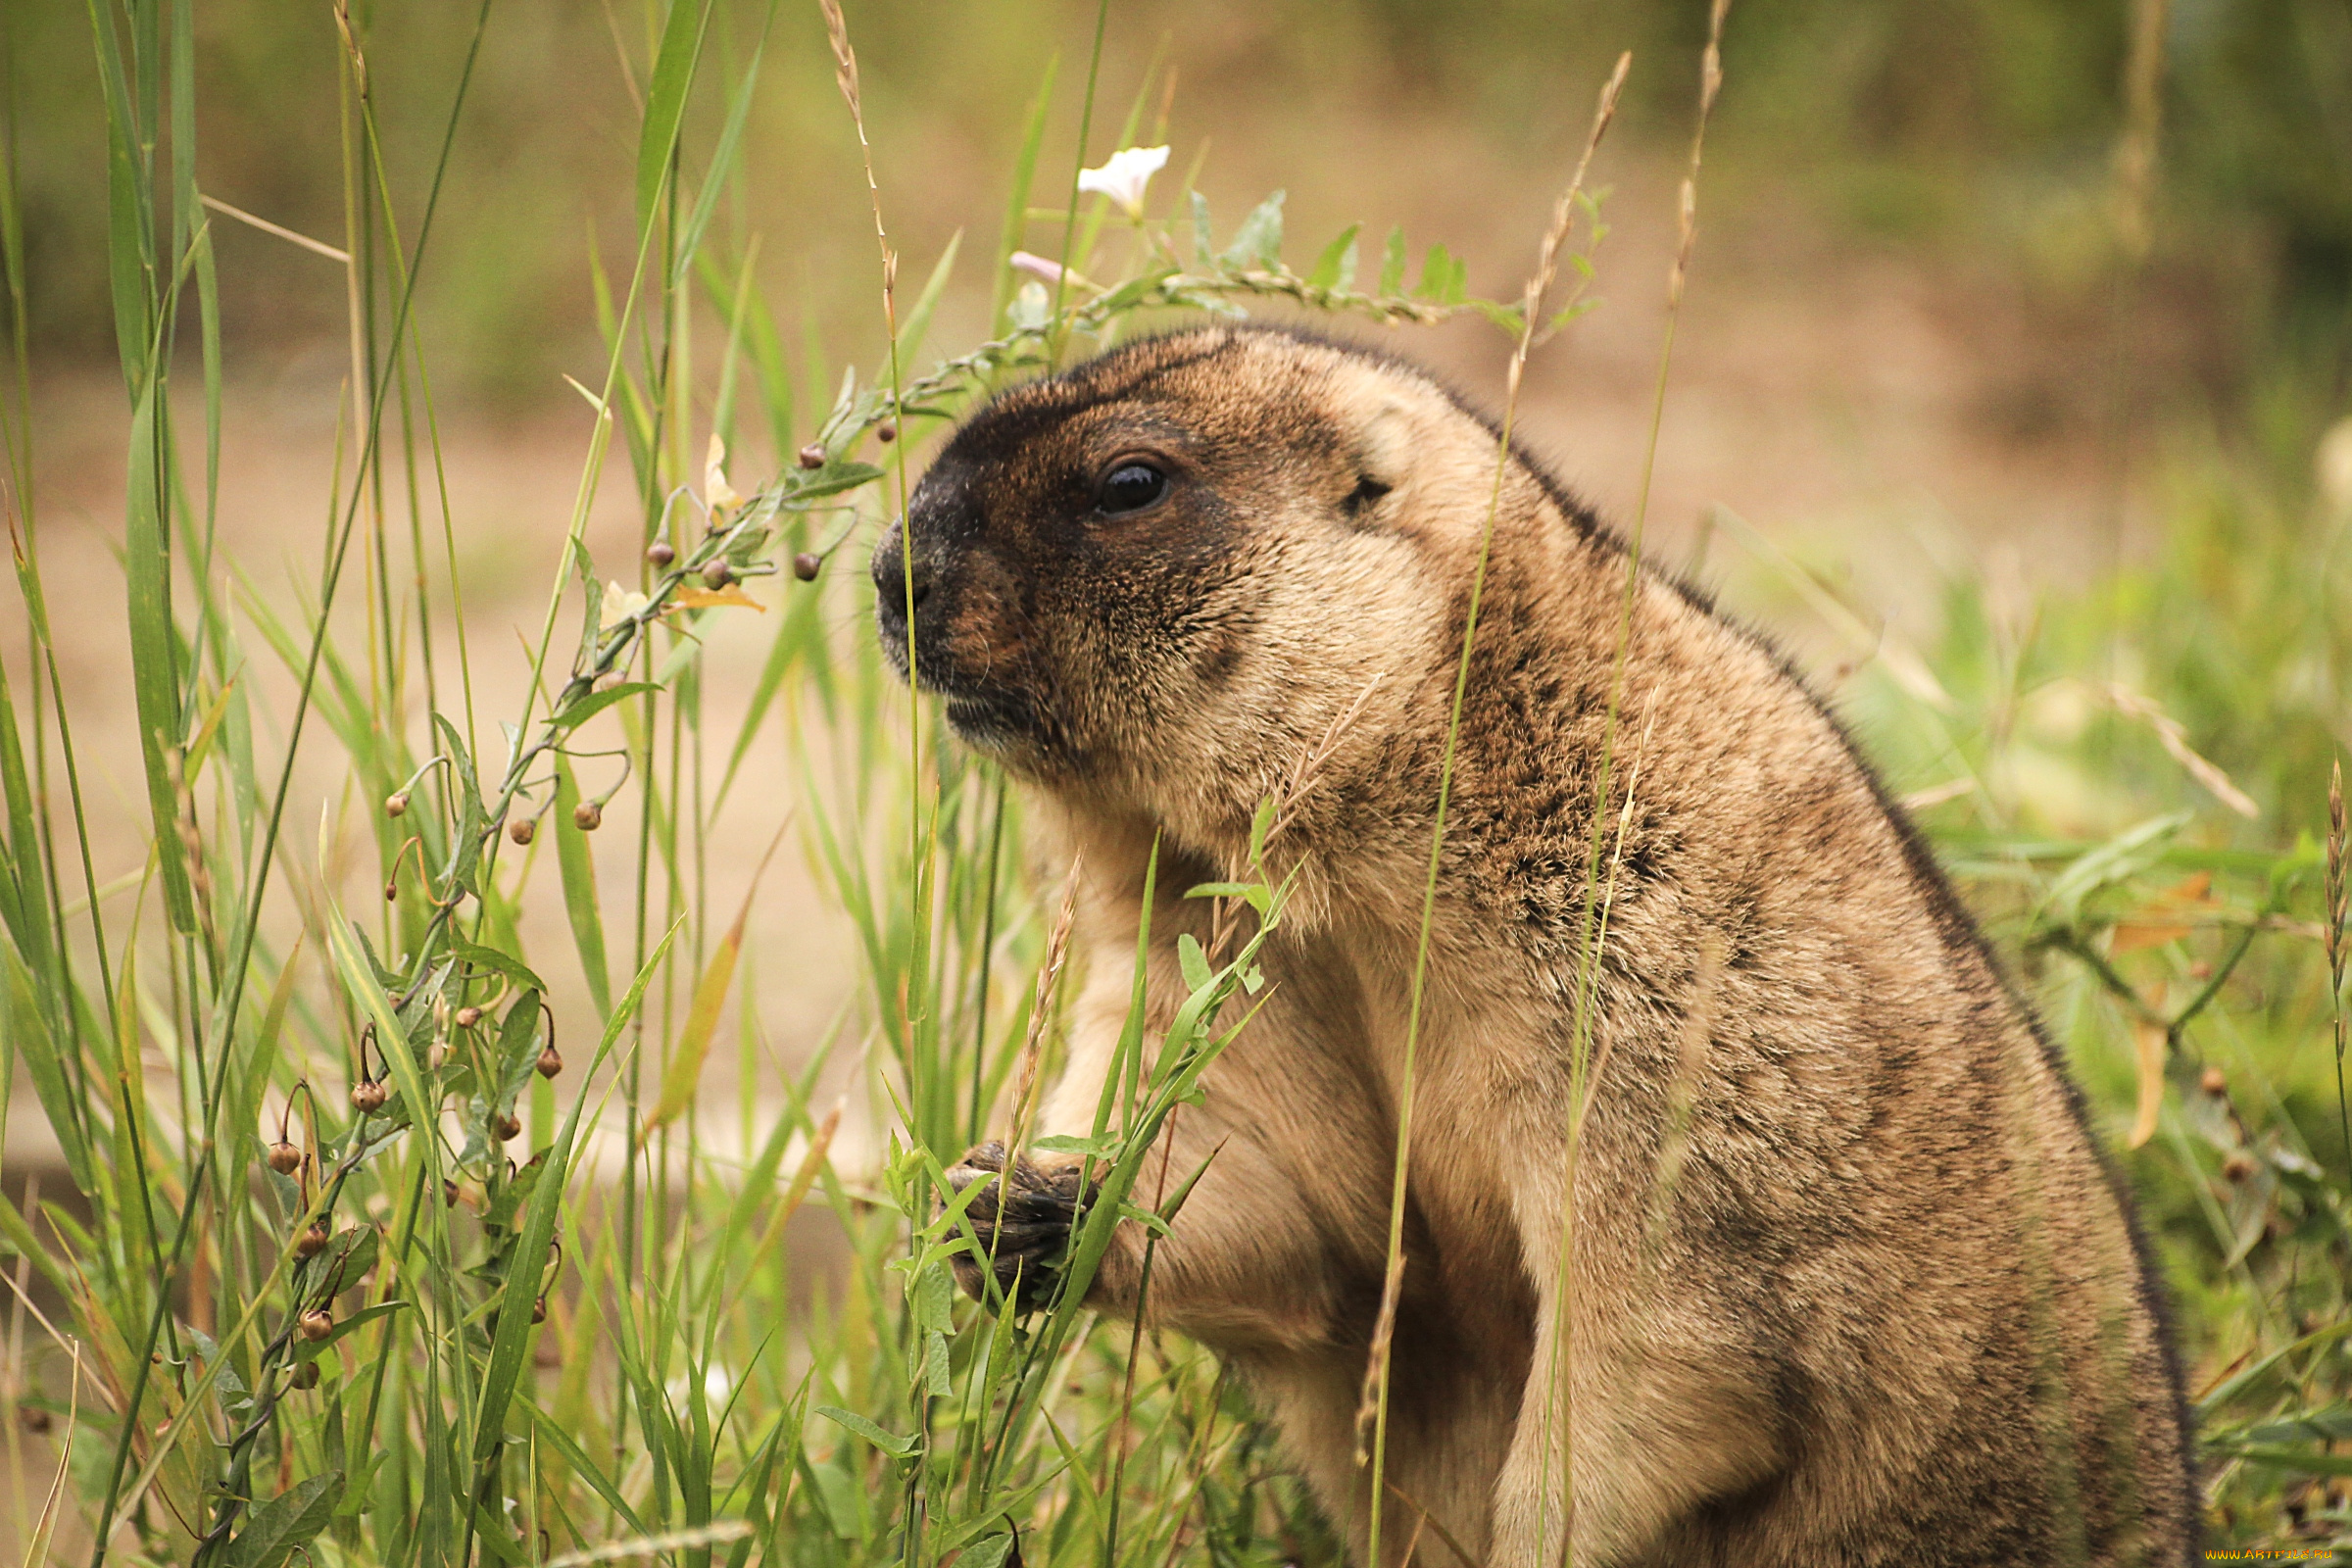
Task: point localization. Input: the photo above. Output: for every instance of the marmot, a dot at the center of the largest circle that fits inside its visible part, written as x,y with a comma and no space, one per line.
1849,1281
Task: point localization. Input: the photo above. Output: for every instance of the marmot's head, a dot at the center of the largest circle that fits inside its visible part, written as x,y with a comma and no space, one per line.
1158,578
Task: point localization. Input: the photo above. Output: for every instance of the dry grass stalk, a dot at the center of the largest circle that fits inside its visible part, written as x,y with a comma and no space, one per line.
1305,773
2143,117
1371,1416
2332,925
2175,740
1048,980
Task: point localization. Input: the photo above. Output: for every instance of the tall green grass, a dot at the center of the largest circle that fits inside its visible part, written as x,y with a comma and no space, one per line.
375,1253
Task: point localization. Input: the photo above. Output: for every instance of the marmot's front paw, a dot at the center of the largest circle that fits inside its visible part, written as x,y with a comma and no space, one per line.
1023,1222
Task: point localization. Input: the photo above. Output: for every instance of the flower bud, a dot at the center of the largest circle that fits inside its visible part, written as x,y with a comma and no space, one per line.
305,1376
506,1124
284,1157
468,1016
588,815
806,565
812,456
521,829
311,1243
659,552
396,804
392,893
551,1063
369,1095
316,1324
2213,1082
718,574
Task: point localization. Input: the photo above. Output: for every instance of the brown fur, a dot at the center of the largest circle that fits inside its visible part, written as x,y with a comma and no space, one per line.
1847,1280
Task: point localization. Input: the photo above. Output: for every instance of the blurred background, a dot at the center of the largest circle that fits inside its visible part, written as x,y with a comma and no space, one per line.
1919,282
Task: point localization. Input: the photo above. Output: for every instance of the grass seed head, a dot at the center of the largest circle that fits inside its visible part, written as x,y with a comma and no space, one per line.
468,1016
718,574
812,456
396,804
369,1095
305,1376
316,1324
284,1157
312,1242
588,817
539,1309
448,1193
522,829
506,1124
2213,1082
806,565
887,431
551,1063
659,552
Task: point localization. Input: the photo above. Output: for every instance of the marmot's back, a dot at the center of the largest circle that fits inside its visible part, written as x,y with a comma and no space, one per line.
1836,1274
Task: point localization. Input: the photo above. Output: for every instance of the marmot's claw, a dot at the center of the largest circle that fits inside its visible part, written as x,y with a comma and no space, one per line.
1023,1222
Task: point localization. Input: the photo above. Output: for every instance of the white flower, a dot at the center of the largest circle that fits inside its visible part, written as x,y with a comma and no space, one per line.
719,496
1123,176
619,604
1035,265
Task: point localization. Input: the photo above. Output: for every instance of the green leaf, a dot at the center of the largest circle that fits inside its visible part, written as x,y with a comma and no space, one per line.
1503,315
722,157
154,645
475,955
1392,263
1193,962
507,1343
896,1446
595,702
938,1381
1336,266
308,1350
1205,244
1257,243
2122,857
916,324
831,480
1016,203
286,1521
576,860
665,101
684,1074
933,1300
1443,280
1101,1147
2309,1460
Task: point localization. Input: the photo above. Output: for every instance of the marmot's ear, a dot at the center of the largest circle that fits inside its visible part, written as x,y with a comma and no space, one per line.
1384,455
1383,446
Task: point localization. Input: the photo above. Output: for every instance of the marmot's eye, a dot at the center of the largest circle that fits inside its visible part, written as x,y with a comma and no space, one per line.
1131,487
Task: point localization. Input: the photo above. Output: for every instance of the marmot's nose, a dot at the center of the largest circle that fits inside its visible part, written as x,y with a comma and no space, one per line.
891,587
